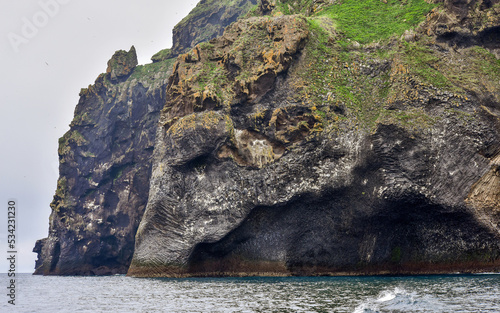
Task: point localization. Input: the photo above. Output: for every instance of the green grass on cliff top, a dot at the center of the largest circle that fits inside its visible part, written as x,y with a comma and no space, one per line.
368,20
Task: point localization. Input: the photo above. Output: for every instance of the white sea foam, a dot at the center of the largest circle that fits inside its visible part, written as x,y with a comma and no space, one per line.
394,299
398,299
385,298
389,295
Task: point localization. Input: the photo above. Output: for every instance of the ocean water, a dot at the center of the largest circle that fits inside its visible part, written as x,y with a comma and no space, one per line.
454,293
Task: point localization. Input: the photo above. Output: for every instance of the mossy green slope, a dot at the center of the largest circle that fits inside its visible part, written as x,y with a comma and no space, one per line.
369,20
376,60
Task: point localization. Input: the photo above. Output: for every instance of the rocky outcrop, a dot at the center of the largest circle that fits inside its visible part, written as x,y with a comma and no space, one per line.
267,6
206,21
104,171
467,23
286,149
196,126
121,64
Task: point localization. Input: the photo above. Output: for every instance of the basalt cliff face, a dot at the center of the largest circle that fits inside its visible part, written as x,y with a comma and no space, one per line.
105,159
206,21
104,171
296,144
308,139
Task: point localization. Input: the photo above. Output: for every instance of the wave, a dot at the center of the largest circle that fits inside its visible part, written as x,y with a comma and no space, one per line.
400,300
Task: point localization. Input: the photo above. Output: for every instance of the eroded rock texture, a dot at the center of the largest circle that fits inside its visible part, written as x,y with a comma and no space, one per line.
207,20
290,145
284,150
121,64
105,158
104,171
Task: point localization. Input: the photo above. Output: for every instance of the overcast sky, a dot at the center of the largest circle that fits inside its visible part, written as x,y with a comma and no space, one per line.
49,50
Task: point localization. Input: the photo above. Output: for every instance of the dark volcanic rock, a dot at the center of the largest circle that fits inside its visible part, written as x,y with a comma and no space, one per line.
105,168
106,156
122,64
285,147
206,21
467,23
265,165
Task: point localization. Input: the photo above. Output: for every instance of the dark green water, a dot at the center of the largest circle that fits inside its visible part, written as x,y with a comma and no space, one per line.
456,293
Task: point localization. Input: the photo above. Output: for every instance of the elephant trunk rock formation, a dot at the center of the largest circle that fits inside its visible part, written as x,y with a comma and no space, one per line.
255,174
304,140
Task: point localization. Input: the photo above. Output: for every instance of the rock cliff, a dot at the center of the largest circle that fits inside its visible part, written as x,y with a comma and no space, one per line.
325,143
105,157
310,138
104,171
206,21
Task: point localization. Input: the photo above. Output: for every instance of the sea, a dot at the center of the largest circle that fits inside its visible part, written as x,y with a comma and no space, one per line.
450,293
